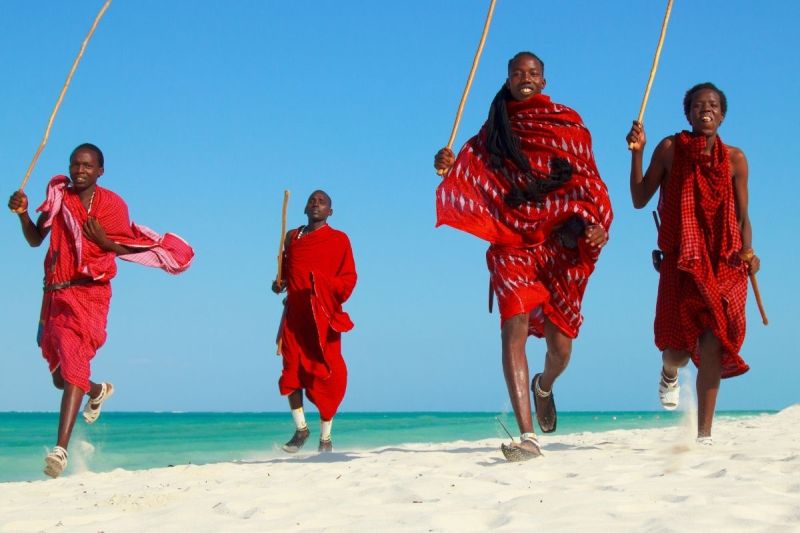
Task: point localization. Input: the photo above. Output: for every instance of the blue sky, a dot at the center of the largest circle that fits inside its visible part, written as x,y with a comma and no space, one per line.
207,111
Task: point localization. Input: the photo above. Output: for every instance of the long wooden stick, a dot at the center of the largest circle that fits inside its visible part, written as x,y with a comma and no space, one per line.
472,71
61,95
654,67
747,256
757,293
279,275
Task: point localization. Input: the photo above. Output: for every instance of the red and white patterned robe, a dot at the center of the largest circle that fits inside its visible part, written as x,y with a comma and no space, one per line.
531,270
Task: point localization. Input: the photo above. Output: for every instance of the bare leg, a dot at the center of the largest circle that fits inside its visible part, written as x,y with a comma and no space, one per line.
296,399
514,335
709,373
559,351
673,361
70,404
95,389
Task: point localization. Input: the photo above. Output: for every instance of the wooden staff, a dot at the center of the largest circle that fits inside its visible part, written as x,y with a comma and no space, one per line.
747,256
754,283
61,97
279,275
472,70
654,67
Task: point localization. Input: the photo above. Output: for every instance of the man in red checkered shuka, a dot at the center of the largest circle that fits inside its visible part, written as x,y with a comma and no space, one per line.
528,184
705,238
88,227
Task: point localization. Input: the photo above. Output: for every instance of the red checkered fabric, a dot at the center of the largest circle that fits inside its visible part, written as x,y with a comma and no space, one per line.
703,282
532,271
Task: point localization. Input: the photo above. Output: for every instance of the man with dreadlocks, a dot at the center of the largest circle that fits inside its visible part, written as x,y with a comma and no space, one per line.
705,240
528,184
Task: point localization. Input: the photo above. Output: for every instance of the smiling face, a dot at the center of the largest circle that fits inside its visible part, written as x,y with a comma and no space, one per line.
84,169
705,113
318,208
525,77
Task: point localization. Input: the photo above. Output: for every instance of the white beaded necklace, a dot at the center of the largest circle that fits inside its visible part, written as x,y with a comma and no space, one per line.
91,201
304,232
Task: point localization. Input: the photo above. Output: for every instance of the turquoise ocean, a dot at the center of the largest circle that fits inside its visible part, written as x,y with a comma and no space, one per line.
136,441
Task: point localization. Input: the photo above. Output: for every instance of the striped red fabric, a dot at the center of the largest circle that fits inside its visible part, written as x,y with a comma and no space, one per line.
73,319
703,282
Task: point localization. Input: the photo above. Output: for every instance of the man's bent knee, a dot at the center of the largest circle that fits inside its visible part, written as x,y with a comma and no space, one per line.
560,354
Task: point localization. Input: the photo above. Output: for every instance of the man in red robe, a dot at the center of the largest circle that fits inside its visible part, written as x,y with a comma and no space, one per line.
88,227
318,275
528,184
705,238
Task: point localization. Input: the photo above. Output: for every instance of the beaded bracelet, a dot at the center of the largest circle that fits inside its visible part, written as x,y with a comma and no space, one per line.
747,255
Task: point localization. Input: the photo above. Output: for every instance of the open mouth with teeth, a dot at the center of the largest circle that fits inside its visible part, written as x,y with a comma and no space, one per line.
706,117
526,90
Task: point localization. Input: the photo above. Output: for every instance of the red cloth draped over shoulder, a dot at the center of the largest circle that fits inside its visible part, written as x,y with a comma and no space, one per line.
531,269
471,196
703,282
320,275
72,324
168,252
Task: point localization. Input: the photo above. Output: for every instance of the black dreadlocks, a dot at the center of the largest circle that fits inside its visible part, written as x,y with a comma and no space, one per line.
503,145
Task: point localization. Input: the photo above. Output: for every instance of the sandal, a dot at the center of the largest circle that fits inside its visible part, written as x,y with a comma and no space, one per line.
296,442
669,392
545,406
515,453
325,446
91,411
55,462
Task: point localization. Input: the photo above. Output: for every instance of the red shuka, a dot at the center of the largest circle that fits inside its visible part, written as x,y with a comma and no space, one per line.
320,274
72,324
532,271
703,282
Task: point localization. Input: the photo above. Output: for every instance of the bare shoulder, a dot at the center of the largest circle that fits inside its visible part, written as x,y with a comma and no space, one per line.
736,154
738,161
664,152
666,144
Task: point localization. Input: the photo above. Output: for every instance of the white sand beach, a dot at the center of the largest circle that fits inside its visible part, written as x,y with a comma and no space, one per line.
626,480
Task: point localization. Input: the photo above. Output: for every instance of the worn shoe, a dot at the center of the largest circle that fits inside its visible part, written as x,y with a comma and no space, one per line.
515,453
91,411
55,462
669,392
544,403
296,442
325,446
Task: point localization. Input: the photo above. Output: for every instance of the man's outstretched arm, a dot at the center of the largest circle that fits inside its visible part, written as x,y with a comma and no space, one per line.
33,233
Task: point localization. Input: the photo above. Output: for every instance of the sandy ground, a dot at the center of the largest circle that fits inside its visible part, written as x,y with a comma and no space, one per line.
628,480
